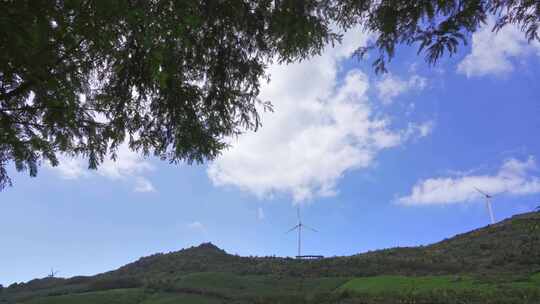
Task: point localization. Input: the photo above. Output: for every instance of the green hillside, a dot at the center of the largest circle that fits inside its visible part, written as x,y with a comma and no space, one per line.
496,264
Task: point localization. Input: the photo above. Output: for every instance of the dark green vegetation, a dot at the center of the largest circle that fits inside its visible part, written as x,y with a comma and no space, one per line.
176,78
496,264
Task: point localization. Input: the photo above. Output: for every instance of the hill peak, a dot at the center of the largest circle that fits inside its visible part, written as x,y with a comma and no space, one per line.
207,247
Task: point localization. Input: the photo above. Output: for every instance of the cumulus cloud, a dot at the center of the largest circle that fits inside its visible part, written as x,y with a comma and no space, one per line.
322,127
495,53
392,86
128,165
143,185
513,177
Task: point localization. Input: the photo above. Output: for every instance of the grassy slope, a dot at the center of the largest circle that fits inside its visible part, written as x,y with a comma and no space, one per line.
125,296
440,289
203,287
250,289
401,284
257,285
175,298
117,296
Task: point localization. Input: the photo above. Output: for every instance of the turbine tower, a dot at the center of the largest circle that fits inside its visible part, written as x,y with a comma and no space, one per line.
488,198
299,226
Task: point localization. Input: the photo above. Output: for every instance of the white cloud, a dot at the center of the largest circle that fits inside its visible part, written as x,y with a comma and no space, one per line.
128,165
417,130
196,225
513,177
494,53
143,185
69,168
260,214
392,86
426,128
322,127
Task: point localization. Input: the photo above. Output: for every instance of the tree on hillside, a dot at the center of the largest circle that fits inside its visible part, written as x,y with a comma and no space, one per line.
176,78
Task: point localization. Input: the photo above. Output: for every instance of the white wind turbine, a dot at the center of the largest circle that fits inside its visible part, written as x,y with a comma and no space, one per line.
488,198
299,226
53,273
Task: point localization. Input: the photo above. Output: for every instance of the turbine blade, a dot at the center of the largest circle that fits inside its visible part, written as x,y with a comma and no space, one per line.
481,192
298,213
312,229
293,228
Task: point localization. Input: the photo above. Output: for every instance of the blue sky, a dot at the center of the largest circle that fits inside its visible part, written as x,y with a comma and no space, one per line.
373,162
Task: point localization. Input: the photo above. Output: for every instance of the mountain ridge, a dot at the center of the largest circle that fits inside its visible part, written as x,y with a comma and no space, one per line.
482,236
507,250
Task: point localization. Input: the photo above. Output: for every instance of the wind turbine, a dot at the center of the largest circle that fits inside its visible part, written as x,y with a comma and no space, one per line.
299,226
53,273
488,198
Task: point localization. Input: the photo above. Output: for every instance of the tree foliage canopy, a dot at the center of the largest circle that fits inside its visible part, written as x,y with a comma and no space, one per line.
176,78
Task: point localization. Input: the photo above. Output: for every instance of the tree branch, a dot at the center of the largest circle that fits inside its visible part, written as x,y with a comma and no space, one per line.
27,84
